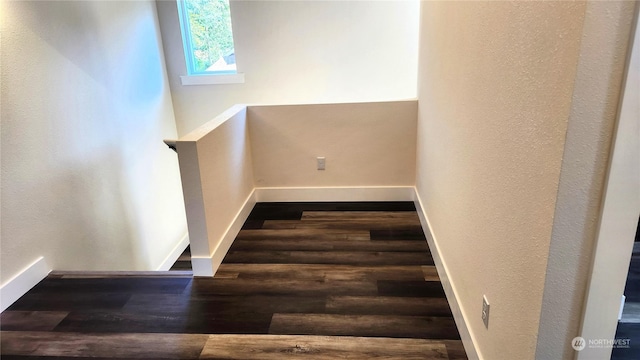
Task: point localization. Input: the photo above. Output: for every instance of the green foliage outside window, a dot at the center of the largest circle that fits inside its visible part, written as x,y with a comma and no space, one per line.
211,35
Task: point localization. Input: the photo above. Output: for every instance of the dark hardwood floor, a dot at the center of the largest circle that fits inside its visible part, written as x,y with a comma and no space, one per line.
184,261
629,326
302,280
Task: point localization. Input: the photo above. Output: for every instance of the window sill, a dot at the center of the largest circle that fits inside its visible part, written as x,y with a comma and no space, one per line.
212,79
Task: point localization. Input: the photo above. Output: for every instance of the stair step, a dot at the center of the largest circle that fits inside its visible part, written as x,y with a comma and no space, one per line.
114,274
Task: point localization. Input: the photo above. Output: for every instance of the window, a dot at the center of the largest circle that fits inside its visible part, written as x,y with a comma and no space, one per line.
207,37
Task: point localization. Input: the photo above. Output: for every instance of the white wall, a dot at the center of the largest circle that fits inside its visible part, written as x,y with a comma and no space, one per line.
495,85
365,144
217,180
302,52
86,180
516,113
582,215
369,148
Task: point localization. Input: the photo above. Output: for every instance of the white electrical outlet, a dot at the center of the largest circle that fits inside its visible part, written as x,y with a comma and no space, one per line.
321,162
485,311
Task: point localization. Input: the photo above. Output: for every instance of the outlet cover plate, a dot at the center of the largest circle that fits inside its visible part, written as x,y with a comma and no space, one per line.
485,311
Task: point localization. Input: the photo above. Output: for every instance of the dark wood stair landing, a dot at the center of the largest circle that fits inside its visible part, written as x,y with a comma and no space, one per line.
184,261
302,280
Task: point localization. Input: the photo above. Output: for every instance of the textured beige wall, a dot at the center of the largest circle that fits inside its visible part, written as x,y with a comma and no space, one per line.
604,46
86,180
365,144
495,89
217,175
294,52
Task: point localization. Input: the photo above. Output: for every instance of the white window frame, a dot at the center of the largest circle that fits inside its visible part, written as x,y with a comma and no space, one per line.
200,78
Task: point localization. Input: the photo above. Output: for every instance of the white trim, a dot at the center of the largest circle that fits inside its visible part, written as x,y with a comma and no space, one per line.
202,266
175,253
355,193
449,287
208,265
212,79
18,285
96,274
232,231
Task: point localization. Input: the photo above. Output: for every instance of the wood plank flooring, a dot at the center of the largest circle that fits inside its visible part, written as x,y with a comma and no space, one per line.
629,326
184,261
302,280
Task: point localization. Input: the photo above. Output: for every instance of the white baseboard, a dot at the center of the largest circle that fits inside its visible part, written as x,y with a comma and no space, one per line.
175,253
448,285
202,266
363,193
208,265
17,286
